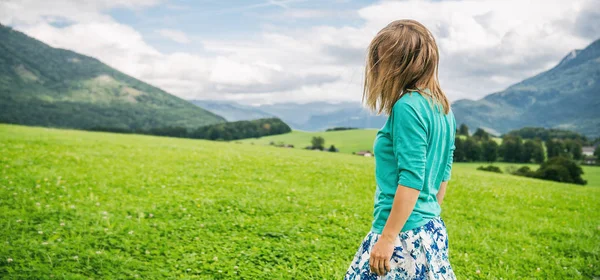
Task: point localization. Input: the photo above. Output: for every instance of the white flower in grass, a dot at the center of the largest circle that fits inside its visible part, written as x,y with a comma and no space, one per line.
9,260
72,206
236,267
98,252
130,232
40,232
37,204
128,217
478,271
62,224
44,243
97,203
538,269
19,220
104,213
215,258
150,215
75,257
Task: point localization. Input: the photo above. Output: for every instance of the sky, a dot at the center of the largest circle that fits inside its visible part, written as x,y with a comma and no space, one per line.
265,52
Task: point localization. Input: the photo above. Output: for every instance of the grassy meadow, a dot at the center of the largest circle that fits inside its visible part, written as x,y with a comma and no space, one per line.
347,141
80,205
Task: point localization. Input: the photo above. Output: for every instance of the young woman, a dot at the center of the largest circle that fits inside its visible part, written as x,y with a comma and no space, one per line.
413,158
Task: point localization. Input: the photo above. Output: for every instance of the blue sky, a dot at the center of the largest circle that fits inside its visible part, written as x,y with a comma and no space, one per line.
234,19
270,51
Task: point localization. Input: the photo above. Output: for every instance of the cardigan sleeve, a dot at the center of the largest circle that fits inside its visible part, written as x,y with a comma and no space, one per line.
410,145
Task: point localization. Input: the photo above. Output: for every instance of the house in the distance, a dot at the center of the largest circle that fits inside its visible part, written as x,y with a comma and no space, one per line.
364,153
588,151
588,155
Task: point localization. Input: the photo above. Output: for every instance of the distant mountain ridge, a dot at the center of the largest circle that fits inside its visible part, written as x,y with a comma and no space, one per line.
45,86
232,111
566,97
313,116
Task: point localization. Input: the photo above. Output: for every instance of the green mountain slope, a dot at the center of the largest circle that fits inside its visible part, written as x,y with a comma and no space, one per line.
41,85
566,96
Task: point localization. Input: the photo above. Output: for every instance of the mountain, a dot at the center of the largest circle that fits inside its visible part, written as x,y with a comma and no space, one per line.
566,97
356,116
313,116
296,114
45,86
232,111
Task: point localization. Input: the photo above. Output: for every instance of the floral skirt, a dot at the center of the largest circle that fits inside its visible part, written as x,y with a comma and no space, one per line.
420,253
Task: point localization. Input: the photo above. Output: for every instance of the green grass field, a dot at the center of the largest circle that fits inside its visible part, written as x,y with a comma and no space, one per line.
81,205
347,141
590,173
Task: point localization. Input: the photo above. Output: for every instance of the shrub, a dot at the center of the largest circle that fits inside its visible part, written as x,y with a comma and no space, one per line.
490,168
318,143
561,169
523,171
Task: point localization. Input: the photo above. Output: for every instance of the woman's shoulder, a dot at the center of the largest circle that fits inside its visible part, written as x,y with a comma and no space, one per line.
412,100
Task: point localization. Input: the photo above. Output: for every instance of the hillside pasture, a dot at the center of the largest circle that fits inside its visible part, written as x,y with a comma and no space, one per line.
80,205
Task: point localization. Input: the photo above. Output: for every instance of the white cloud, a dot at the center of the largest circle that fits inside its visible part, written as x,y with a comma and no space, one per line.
485,46
174,35
16,12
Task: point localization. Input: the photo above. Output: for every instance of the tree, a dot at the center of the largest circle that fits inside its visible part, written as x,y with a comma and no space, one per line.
529,148
574,149
459,150
480,134
554,148
597,151
472,150
332,149
318,142
463,130
538,152
511,148
560,169
490,150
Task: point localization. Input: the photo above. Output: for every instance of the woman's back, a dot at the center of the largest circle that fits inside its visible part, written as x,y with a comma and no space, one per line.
413,149
413,158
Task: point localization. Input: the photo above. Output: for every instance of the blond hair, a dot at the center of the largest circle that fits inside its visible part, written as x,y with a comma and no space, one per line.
403,57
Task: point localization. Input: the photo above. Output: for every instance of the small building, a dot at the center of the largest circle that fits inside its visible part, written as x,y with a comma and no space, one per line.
588,155
588,150
364,153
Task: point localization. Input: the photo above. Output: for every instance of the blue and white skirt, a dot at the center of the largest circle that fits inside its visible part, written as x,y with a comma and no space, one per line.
420,253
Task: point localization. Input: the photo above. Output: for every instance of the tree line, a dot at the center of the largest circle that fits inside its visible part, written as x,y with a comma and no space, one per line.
222,131
558,161
481,146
